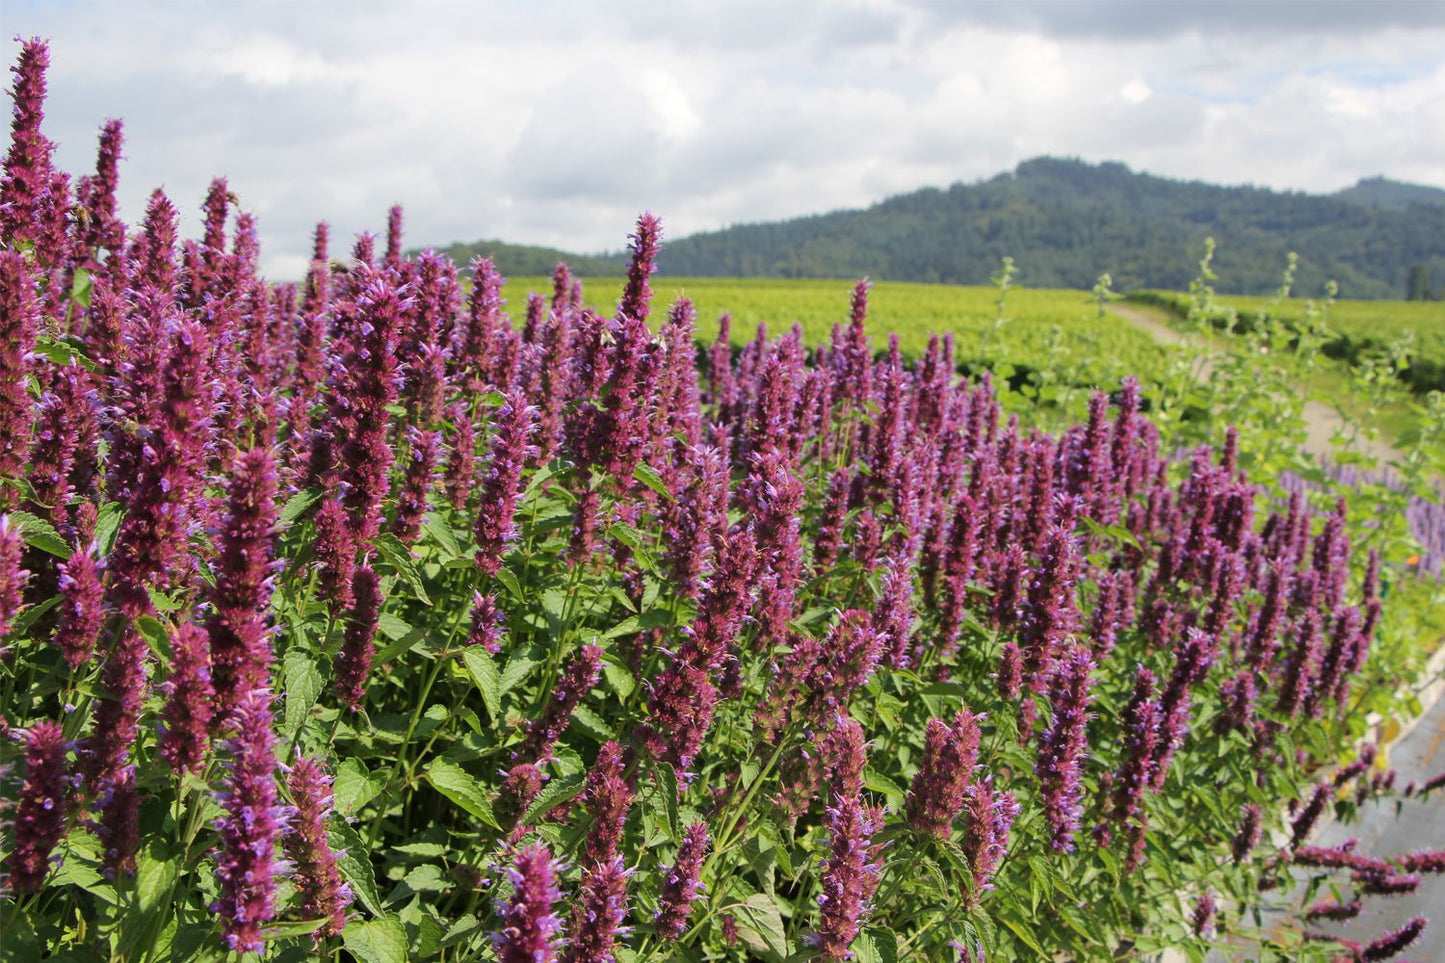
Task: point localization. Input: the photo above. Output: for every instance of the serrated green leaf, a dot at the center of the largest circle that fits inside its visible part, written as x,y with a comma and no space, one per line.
484,673
303,684
39,533
555,793
648,475
376,941
876,946
106,527
592,724
392,627
760,926
619,679
516,670
455,783
297,504
509,582
352,856
398,557
354,785
440,533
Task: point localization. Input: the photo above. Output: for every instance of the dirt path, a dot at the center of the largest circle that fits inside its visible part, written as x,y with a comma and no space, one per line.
1321,421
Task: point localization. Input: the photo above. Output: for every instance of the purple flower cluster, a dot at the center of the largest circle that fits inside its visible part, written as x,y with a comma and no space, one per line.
40,811
529,925
318,878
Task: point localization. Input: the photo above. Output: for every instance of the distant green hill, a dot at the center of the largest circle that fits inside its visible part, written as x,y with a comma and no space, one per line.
521,260
1065,222
1397,195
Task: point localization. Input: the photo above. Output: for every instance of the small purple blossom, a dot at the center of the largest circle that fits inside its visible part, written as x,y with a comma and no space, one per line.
529,925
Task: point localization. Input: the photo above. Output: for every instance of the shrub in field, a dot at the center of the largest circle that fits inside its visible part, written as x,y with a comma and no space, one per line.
358,621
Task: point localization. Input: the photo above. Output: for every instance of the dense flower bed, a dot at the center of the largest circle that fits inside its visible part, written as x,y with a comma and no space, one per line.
356,615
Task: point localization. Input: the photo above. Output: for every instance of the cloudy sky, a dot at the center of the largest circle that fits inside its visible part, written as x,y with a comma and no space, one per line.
556,122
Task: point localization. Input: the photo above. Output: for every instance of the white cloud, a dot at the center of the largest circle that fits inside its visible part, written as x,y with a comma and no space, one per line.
557,122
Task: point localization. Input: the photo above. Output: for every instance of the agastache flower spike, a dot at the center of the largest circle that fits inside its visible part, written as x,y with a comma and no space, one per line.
985,841
251,827
681,886
19,321
529,925
26,181
637,295
335,556
239,628
607,798
322,892
940,786
501,488
1063,744
186,719
461,460
40,815
82,608
597,919
417,485
353,662
1387,946
849,875
489,625
578,679
12,576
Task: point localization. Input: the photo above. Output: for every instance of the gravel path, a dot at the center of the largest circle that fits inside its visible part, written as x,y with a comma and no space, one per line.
1321,421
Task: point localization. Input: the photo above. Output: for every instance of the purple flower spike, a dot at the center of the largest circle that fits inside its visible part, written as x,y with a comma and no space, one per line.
849,876
82,609
335,556
637,296
578,680
597,920
940,787
990,817
353,662
25,186
190,701
489,624
682,884
322,892
501,489
607,798
1392,943
417,484
251,827
239,627
40,815
19,321
1063,744
529,926
12,576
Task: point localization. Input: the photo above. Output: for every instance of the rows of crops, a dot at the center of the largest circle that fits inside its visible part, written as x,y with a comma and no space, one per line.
364,619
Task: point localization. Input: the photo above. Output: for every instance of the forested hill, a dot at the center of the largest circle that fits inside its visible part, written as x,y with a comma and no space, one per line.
1065,222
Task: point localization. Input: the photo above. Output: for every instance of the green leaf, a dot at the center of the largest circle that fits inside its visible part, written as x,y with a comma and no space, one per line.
354,786
517,668
648,475
592,724
619,679
484,673
876,946
455,783
297,504
760,926
667,785
440,532
38,533
509,581
105,528
376,941
555,793
352,856
28,617
398,556
392,627
303,684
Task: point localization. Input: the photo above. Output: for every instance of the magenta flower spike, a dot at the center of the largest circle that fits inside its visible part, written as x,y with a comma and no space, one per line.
322,892
985,841
250,828
25,184
1391,944
597,920
501,489
118,826
420,479
353,662
190,701
82,608
12,576
39,822
1063,745
607,798
489,623
682,884
577,680
459,476
849,875
529,924
335,556
939,790
239,626
637,295
19,322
